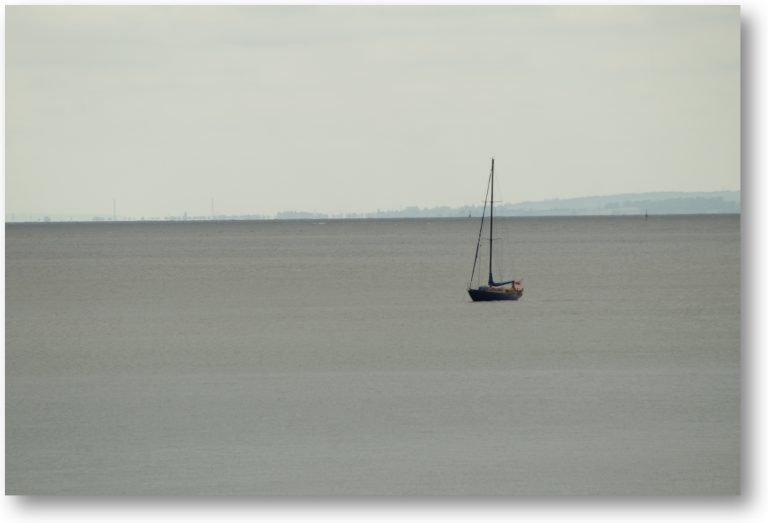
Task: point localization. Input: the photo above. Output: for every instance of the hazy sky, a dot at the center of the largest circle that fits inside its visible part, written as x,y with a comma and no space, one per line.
345,109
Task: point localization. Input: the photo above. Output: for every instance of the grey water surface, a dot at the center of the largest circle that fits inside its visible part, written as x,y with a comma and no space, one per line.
345,358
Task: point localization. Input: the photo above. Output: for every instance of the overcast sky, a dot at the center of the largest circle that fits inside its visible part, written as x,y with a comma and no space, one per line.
347,109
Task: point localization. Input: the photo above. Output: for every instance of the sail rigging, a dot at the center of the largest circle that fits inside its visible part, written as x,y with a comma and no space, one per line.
482,220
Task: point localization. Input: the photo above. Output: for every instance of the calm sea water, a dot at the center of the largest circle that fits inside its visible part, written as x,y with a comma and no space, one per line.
345,358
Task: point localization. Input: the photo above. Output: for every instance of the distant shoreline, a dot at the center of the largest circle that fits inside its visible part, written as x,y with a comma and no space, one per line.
366,219
628,204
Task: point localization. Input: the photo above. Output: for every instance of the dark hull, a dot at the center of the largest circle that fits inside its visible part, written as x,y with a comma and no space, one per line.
478,295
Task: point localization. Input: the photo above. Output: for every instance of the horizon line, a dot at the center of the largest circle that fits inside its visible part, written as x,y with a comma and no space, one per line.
366,218
185,216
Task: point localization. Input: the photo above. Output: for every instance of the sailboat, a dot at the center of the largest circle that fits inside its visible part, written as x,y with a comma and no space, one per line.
494,291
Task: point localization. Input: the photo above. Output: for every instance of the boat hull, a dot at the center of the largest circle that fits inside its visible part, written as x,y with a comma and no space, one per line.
483,295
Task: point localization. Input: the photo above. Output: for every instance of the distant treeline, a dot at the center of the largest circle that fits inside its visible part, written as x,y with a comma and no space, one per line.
724,202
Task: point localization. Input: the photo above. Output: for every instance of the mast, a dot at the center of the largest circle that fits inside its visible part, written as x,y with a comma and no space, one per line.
490,248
